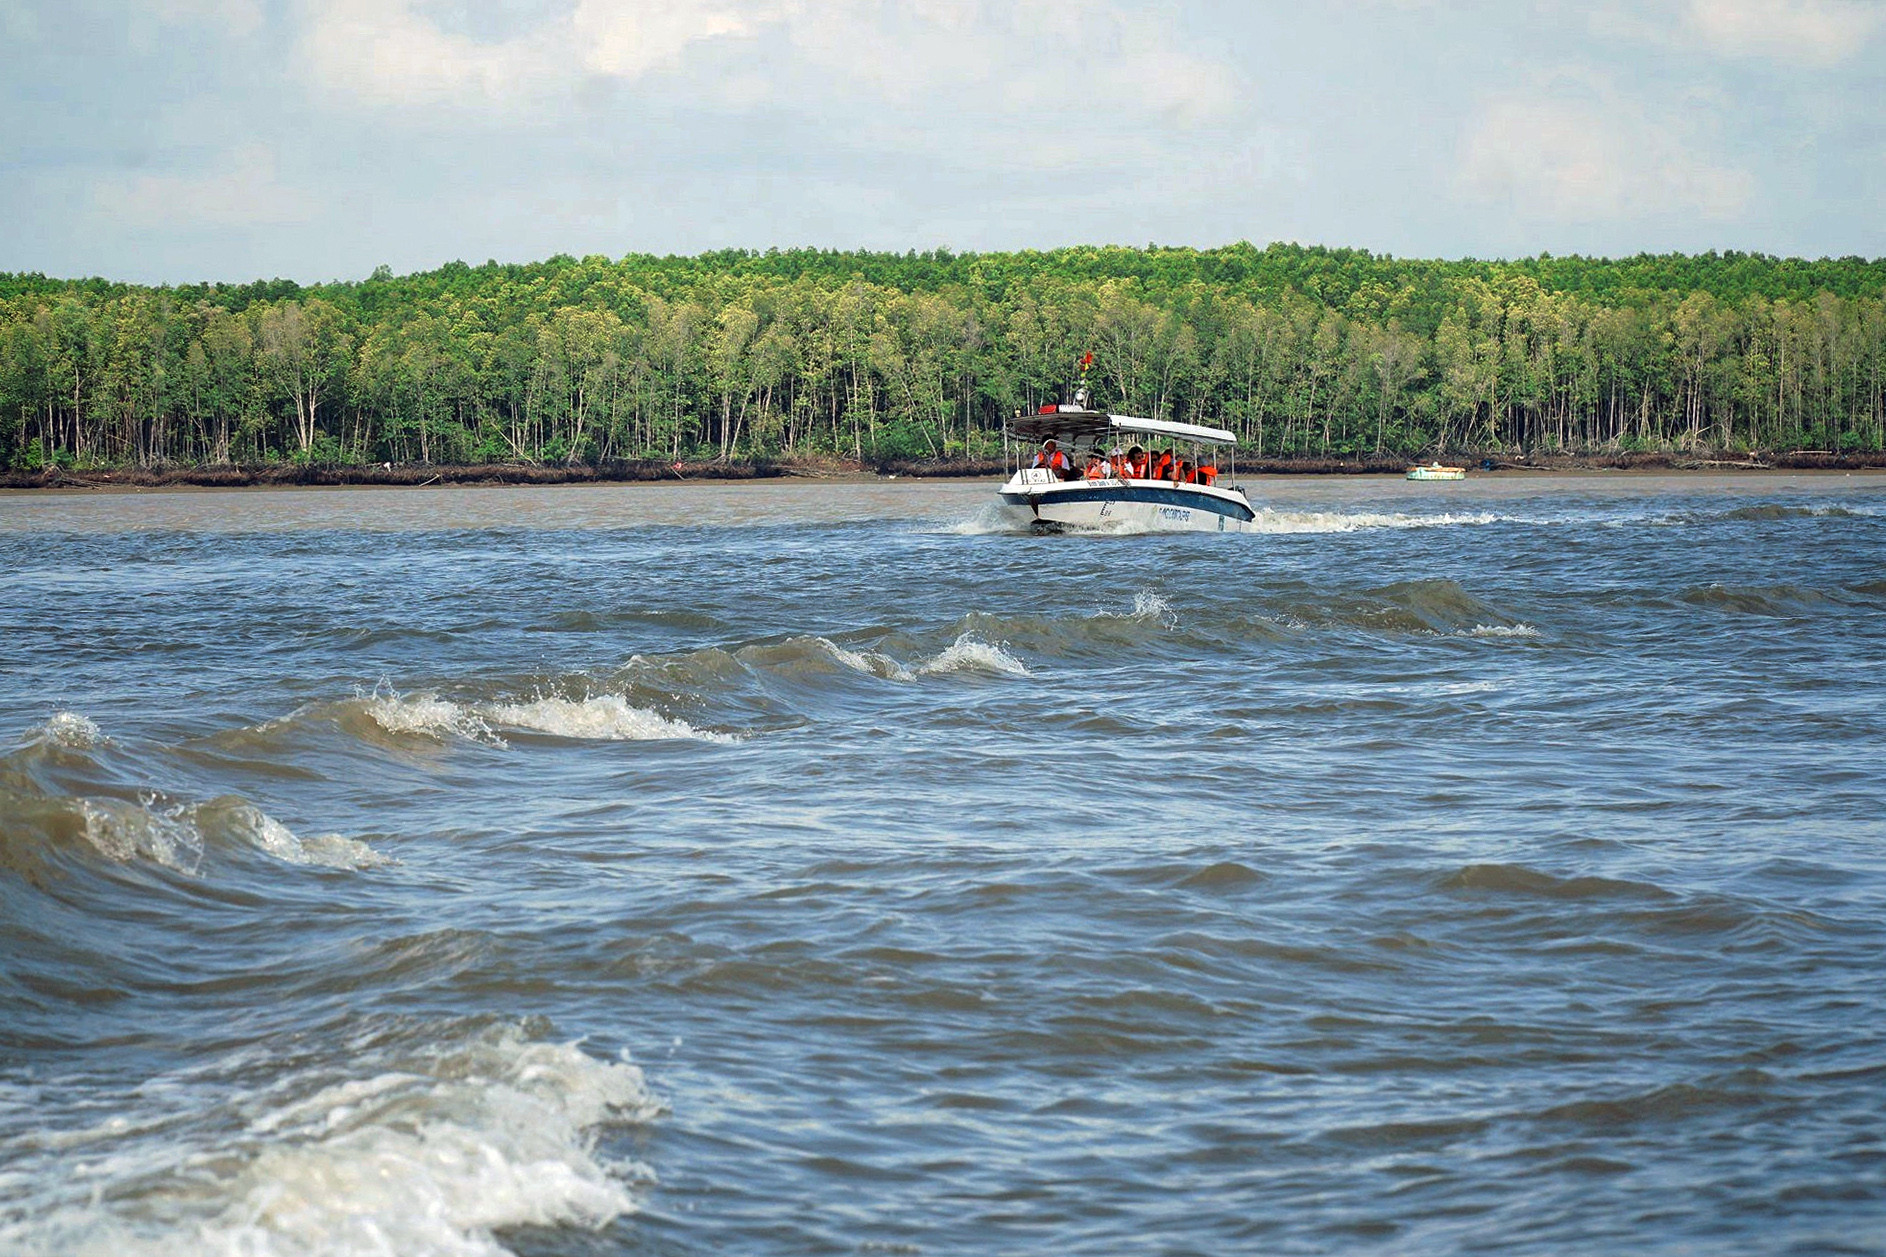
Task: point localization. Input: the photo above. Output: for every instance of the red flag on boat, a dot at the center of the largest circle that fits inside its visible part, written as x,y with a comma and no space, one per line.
1086,362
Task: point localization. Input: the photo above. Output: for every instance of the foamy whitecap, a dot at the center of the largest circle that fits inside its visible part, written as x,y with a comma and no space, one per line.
968,654
607,717
965,654
425,714
1505,630
430,1154
871,663
1148,605
68,728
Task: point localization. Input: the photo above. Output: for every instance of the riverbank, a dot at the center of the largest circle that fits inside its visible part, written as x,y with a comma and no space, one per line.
416,475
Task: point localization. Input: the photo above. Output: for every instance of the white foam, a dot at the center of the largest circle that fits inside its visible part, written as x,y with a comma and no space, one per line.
127,832
1504,630
601,717
871,663
425,1155
993,518
969,654
68,728
1148,605
252,825
606,717
426,714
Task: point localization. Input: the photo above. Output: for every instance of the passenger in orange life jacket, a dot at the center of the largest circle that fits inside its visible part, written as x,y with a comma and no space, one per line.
1136,466
1184,474
1051,457
1097,468
1206,474
1162,465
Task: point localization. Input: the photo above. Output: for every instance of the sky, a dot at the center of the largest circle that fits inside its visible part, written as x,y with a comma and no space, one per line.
184,140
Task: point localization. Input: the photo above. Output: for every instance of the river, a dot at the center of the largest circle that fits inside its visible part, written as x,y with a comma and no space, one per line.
817,868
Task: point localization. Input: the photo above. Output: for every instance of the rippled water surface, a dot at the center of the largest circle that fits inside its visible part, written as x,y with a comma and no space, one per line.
820,869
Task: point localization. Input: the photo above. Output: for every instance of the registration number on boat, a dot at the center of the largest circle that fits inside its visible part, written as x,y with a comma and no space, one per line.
1174,512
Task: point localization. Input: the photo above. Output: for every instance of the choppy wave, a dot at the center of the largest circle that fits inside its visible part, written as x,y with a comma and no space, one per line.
967,653
419,1149
1769,600
175,835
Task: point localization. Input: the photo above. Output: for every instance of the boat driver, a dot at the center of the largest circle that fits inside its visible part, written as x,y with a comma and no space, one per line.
1051,457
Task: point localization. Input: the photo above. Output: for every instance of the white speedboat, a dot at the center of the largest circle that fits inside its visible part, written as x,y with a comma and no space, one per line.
1074,497
1435,471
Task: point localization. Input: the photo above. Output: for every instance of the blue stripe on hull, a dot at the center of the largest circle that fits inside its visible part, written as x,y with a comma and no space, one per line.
1136,493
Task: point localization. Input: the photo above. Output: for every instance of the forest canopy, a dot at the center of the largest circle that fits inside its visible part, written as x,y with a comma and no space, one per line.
808,353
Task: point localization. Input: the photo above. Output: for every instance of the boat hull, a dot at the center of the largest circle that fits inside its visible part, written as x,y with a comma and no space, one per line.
1128,506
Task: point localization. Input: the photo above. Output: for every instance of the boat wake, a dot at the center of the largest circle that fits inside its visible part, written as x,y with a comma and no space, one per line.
998,520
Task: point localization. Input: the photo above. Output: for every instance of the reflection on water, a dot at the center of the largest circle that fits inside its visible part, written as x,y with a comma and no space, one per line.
812,867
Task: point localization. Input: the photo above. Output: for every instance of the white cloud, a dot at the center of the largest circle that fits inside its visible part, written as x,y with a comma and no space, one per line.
1808,33
626,40
1593,160
959,55
383,52
1813,32
242,191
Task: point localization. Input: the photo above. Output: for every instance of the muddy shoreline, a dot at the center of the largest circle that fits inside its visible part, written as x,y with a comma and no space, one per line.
418,475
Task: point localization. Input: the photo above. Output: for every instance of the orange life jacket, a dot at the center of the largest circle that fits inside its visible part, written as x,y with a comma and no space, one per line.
1206,475
1053,460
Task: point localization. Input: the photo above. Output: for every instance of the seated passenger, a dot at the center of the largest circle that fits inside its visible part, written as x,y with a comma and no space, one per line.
1162,465
1098,468
1184,473
1207,474
1136,466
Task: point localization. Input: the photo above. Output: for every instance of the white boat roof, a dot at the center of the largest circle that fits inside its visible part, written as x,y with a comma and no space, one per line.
1075,421
1166,427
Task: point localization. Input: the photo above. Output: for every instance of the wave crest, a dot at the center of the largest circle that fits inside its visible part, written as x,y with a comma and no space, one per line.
603,717
176,835
599,717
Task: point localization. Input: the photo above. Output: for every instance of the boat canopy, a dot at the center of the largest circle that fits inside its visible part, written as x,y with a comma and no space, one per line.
1074,423
1178,431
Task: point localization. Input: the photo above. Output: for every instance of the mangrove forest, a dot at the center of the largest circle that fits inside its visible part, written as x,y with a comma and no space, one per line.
744,356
